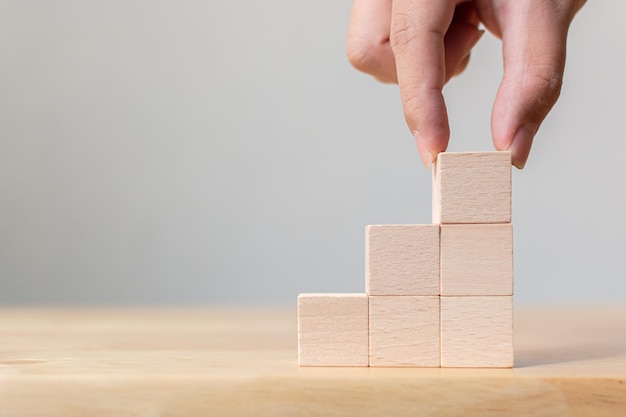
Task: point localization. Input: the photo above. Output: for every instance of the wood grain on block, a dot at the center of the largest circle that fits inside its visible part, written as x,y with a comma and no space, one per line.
333,330
477,332
477,259
402,259
472,187
404,331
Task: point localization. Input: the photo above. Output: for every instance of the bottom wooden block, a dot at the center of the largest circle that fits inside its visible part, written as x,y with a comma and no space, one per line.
477,331
404,331
333,330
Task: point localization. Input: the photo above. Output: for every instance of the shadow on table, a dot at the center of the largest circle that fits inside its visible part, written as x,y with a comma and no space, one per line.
565,354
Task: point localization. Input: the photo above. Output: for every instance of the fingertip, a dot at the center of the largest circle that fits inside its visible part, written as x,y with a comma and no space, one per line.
508,132
427,117
431,146
521,145
426,154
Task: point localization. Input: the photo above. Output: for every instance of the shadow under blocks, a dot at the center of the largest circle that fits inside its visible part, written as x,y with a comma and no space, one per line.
437,295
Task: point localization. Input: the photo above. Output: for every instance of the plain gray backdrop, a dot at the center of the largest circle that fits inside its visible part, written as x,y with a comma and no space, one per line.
214,152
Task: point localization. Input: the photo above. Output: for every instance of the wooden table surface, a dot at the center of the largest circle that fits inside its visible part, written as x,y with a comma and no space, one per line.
133,362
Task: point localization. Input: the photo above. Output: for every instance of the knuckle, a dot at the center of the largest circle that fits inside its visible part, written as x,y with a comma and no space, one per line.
412,107
363,55
567,9
546,84
403,31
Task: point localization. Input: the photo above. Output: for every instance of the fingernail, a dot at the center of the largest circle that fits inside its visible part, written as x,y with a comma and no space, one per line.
521,144
425,153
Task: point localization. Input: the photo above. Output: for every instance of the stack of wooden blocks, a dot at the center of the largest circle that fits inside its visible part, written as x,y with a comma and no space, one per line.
437,295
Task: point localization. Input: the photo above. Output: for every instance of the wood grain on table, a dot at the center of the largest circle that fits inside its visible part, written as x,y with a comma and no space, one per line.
137,362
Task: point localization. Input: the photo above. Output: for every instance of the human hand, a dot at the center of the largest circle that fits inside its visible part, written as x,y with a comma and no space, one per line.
421,44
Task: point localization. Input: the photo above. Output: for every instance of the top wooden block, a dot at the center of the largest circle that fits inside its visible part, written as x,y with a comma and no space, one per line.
472,187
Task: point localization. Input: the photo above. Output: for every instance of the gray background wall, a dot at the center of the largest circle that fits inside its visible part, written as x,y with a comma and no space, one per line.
205,152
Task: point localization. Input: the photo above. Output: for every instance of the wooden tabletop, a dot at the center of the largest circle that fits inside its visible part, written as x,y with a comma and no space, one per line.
133,362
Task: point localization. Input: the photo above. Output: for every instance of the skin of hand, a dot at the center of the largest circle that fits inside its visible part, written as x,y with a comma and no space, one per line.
421,44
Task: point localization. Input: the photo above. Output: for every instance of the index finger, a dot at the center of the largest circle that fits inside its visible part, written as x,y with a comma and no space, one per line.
417,35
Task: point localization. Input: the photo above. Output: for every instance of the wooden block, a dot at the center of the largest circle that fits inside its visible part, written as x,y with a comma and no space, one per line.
402,259
404,331
477,332
477,259
472,187
333,330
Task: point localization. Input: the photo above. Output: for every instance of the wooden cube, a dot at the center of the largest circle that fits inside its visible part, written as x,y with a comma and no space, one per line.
476,259
333,330
477,332
404,331
472,187
402,259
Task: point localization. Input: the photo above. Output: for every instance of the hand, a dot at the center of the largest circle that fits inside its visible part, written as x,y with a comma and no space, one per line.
421,44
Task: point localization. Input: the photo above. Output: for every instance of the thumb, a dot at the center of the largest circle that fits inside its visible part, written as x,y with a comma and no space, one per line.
534,44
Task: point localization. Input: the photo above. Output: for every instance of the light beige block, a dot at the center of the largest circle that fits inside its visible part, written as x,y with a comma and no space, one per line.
477,259
402,259
404,331
333,330
477,332
472,187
